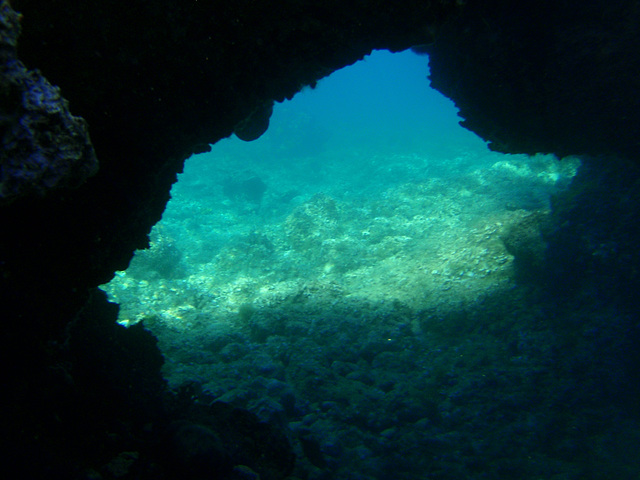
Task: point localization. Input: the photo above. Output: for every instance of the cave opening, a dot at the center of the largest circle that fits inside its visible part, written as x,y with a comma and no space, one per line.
370,160
381,296
309,275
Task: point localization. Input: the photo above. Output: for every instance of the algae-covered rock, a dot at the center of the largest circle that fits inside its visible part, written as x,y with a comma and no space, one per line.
524,240
314,222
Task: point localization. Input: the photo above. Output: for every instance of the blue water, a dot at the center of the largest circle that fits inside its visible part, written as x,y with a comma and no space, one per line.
382,104
350,277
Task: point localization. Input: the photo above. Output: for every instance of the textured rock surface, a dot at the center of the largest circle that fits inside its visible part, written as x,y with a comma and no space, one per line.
44,145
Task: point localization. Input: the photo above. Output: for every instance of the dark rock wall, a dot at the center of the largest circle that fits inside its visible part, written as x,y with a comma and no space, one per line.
555,77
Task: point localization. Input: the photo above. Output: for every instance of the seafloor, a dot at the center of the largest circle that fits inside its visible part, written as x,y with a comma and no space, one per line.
368,305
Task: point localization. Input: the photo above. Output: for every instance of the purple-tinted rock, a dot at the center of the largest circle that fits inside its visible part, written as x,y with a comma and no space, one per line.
44,145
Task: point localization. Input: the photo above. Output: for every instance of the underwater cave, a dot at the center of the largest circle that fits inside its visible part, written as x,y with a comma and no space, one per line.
340,245
364,289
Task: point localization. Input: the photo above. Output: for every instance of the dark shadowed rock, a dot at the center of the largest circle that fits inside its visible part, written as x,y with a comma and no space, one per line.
252,127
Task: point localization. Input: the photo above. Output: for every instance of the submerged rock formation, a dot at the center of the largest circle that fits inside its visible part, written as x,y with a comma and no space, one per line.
44,146
157,81
544,77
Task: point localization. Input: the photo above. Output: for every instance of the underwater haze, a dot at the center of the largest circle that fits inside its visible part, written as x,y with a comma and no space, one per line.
369,277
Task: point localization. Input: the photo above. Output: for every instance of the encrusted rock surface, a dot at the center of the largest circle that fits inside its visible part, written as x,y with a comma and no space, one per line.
44,146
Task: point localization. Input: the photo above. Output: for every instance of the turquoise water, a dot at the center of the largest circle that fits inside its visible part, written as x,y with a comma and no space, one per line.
380,105
346,276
